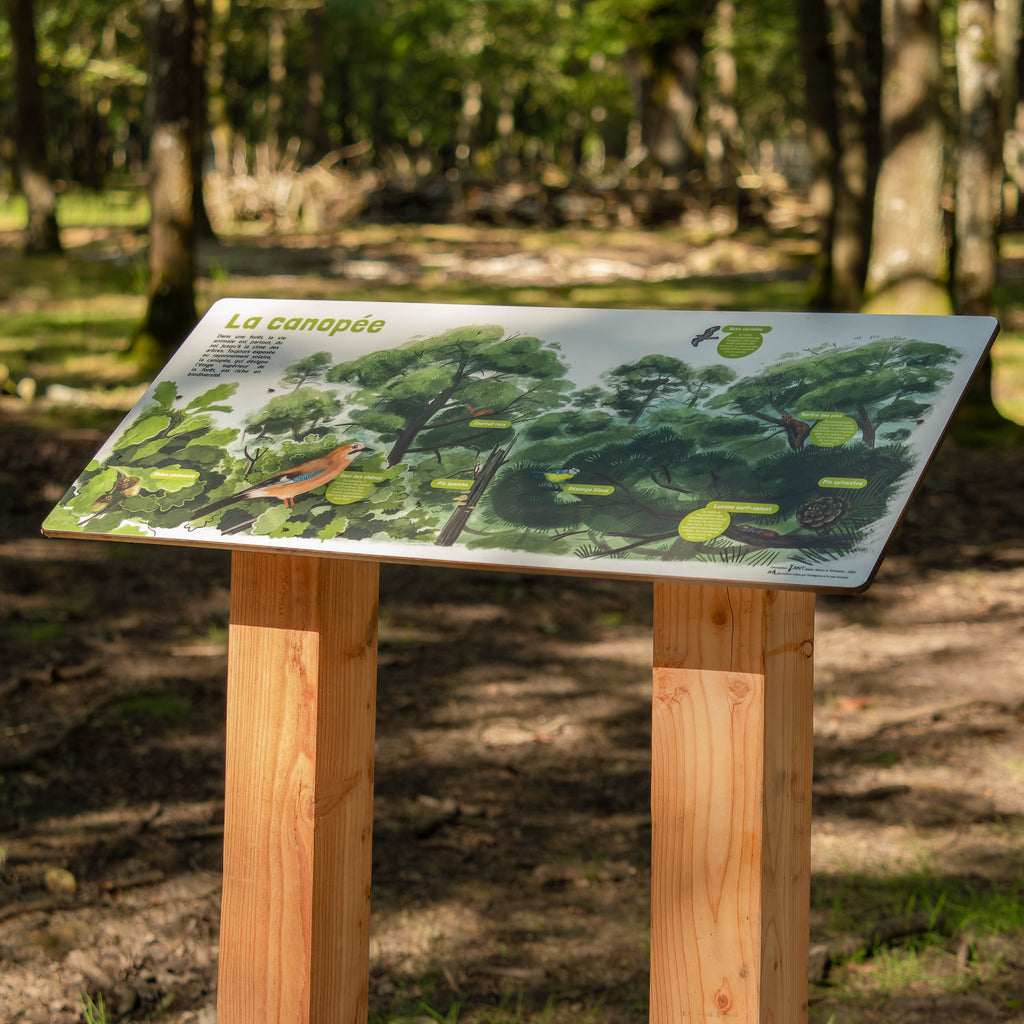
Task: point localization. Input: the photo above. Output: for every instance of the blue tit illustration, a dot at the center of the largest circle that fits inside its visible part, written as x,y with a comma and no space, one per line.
557,476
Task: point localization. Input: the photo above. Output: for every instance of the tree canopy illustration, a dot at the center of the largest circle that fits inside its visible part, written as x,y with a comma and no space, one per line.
169,454
887,381
477,437
635,387
883,381
426,396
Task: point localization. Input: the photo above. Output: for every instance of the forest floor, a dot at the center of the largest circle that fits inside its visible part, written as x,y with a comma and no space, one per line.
512,830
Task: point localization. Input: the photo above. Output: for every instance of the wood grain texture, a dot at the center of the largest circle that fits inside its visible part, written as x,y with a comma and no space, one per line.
295,908
730,799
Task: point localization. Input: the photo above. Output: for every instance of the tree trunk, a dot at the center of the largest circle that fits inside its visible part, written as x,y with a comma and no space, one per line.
908,270
652,393
315,144
408,434
452,530
1007,27
41,235
822,142
979,168
469,121
979,182
172,310
867,426
197,117
277,72
221,134
1009,55
505,127
666,87
664,63
723,122
855,33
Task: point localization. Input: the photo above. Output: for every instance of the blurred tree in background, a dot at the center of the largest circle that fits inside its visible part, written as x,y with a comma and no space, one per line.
874,117
171,309
29,132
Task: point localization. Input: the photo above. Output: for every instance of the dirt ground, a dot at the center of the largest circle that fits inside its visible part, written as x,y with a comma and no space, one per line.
512,830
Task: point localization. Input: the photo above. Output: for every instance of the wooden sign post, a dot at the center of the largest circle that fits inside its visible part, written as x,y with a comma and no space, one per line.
730,797
298,809
741,462
731,803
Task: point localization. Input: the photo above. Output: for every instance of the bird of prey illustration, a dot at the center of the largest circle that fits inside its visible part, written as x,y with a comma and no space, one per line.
706,335
292,483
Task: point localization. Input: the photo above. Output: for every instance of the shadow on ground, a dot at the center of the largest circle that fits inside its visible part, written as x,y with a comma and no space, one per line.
512,828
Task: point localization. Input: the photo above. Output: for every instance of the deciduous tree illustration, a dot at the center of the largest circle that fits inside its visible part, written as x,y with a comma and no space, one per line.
312,367
298,413
170,453
426,396
744,446
165,427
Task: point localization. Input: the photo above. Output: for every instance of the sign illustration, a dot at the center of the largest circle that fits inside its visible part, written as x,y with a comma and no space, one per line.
766,449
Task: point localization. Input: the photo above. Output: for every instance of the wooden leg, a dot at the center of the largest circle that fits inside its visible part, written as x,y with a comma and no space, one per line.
298,818
731,804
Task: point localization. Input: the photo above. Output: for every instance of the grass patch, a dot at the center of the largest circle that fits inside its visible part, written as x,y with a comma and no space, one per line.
168,707
124,208
512,1008
32,633
966,932
70,319
93,1011
857,901
144,714
1008,375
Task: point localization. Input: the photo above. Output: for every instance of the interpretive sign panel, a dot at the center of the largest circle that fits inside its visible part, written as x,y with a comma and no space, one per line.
765,449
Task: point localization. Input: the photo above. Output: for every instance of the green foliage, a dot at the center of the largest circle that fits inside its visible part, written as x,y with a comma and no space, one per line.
636,387
164,460
986,920
94,1011
127,208
304,412
427,396
549,81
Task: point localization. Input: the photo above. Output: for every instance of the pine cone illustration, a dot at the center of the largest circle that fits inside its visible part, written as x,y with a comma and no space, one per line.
821,514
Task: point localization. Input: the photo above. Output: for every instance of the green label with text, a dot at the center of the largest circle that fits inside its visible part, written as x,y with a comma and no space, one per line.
833,431
852,482
704,524
741,340
756,508
188,475
350,487
451,484
588,489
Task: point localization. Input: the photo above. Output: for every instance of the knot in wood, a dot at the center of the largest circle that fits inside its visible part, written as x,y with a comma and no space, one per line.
669,688
719,617
739,689
807,648
723,997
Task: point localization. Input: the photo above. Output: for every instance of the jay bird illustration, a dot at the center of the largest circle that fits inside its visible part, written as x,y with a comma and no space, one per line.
290,484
